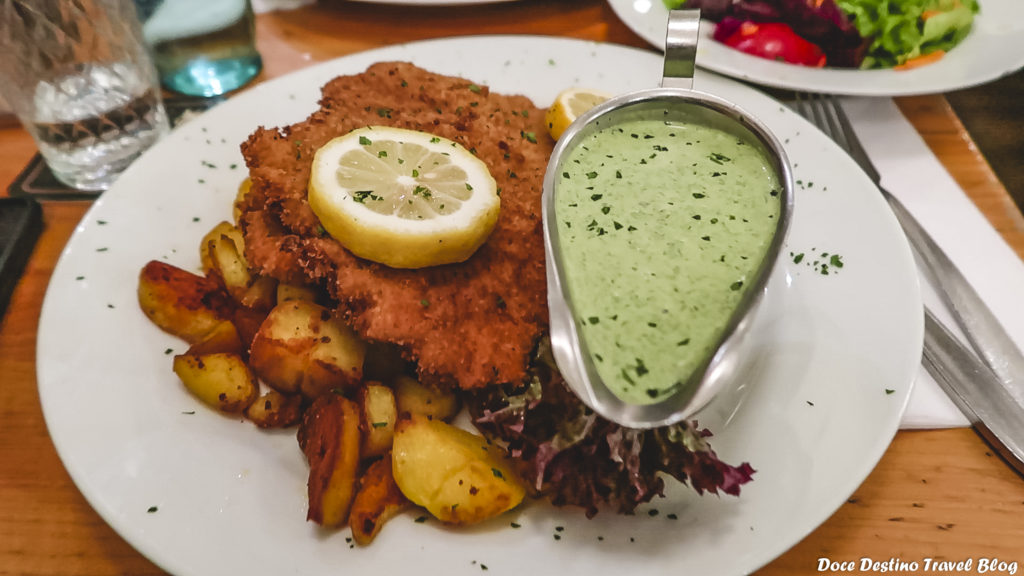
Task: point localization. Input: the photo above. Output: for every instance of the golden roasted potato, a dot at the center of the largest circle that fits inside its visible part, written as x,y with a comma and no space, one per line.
248,322
286,292
456,475
221,380
223,338
182,303
329,437
377,404
261,294
377,501
243,189
275,410
413,397
302,348
223,228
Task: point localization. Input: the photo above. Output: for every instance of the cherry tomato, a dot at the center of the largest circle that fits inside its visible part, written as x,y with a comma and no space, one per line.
772,40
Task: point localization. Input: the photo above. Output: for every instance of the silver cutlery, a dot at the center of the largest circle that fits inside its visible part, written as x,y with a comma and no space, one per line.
975,390
983,383
983,331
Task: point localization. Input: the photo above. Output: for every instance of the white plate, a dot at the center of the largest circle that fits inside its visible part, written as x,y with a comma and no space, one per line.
230,499
994,48
433,2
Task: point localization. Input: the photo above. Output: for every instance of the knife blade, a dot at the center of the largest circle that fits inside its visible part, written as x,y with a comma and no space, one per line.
993,412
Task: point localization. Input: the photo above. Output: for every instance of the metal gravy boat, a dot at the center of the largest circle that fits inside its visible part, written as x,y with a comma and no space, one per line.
720,371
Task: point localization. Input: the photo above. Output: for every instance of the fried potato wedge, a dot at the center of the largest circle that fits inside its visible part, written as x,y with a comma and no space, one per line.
181,303
414,397
243,190
261,294
275,410
248,322
379,414
223,338
286,292
456,475
377,501
302,348
329,437
220,380
223,228
222,251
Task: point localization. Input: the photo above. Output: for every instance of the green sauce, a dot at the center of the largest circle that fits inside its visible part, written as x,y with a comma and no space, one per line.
661,224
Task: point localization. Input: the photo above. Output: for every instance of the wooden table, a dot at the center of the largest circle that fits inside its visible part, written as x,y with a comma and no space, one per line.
935,494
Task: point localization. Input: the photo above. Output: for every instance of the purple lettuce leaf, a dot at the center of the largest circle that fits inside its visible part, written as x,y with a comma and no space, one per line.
572,456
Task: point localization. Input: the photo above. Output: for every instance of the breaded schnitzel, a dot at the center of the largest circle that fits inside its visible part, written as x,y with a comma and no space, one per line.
470,324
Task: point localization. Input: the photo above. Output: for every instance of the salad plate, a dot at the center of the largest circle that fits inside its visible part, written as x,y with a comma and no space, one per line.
201,493
994,48
433,2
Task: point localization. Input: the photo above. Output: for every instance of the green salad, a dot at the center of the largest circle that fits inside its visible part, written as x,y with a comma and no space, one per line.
901,31
840,33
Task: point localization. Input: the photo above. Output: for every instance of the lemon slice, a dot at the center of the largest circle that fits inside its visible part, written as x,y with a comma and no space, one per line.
403,198
570,105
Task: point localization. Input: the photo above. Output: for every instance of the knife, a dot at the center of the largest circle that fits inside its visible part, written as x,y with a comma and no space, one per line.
976,390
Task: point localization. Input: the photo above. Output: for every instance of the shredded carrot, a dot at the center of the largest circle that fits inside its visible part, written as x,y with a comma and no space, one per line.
921,60
929,13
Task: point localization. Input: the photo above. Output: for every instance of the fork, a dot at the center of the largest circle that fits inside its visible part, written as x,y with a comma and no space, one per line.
983,331
986,392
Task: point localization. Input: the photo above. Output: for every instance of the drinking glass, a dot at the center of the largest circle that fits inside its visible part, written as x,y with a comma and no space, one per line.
201,47
78,76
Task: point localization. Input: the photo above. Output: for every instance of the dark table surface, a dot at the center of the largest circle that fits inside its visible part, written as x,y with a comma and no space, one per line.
993,114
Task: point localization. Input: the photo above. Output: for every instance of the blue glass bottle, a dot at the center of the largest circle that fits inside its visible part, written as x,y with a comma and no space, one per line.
202,47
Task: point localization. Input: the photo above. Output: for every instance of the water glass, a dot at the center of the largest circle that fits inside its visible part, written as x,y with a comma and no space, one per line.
202,47
79,78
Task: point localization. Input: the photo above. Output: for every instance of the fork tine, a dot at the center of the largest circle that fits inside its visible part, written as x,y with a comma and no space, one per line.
852,142
825,112
812,107
830,111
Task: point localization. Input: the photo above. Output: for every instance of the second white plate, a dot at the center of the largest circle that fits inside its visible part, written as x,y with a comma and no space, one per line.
994,48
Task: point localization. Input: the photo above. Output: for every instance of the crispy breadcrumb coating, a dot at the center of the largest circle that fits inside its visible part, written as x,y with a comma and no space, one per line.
470,324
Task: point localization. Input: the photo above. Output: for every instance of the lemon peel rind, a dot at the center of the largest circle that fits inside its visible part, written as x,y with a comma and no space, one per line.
391,240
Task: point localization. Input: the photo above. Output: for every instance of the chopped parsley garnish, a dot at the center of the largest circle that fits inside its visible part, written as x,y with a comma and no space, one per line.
360,196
